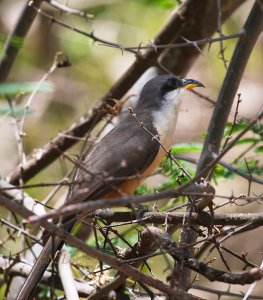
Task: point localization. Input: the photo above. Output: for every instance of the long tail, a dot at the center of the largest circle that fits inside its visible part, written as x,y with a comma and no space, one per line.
39,268
47,254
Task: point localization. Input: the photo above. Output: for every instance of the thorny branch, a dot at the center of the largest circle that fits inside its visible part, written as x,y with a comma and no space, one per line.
137,49
84,289
244,47
234,121
226,165
172,30
202,219
126,201
248,221
221,293
115,263
158,236
219,30
68,10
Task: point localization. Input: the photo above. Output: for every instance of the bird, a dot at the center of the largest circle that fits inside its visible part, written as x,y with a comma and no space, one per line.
124,157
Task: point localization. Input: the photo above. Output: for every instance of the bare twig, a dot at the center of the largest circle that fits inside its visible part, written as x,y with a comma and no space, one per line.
19,230
245,45
136,49
66,276
181,190
219,30
69,10
18,136
115,263
56,64
89,35
156,138
237,66
107,288
220,293
170,32
234,121
178,60
202,219
164,240
177,45
13,267
29,202
225,165
252,287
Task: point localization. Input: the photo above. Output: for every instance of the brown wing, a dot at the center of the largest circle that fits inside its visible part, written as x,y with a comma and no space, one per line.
127,150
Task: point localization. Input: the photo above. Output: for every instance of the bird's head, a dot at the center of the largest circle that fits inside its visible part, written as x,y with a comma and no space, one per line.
160,101
164,89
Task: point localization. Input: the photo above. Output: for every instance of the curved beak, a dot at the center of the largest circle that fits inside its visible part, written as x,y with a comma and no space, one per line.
191,83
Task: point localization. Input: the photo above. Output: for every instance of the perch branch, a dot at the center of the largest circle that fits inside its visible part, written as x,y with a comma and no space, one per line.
115,263
244,47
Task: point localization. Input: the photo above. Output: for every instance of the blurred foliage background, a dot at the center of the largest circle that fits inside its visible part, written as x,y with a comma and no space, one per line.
94,68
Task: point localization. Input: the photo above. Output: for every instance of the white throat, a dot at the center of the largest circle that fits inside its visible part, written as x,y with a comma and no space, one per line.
165,119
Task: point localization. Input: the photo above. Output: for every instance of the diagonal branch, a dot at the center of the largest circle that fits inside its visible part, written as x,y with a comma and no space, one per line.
226,165
20,30
179,24
186,189
202,219
115,263
144,60
180,60
244,47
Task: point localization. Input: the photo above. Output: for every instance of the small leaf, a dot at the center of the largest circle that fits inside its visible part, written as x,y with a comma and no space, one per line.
166,4
221,171
250,166
247,140
184,147
259,149
16,88
16,111
258,129
238,127
142,189
15,41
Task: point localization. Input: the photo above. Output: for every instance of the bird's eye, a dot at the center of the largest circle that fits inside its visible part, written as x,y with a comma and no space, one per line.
173,82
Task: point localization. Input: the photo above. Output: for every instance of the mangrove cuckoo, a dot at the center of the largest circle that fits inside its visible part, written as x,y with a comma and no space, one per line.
125,156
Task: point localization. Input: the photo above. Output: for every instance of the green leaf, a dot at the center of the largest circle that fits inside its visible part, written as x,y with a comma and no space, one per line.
247,140
258,129
15,41
3,290
71,250
223,172
252,165
16,88
259,149
16,111
184,147
166,4
142,189
170,183
172,172
238,127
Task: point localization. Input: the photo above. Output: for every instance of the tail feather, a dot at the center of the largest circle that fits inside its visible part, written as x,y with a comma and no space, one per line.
46,256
